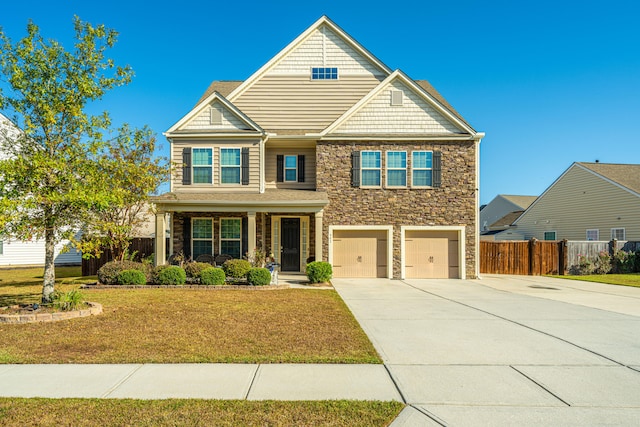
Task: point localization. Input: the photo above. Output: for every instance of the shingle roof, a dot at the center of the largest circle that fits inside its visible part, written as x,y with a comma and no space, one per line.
506,220
223,87
523,201
624,174
269,196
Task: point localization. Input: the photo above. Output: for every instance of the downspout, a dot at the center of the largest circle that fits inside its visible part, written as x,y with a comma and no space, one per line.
476,140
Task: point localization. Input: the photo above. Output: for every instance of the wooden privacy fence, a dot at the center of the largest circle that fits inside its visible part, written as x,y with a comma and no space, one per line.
143,246
529,257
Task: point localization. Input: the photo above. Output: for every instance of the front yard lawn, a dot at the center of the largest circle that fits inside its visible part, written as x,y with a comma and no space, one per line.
172,412
612,279
189,325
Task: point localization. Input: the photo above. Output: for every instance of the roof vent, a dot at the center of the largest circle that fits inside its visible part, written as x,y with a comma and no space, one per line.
396,97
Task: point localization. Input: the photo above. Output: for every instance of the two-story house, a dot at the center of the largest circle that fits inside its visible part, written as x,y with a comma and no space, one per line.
326,153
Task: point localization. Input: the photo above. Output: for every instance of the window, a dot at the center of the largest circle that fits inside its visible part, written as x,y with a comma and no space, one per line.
322,73
202,166
593,234
396,168
617,233
230,237
201,237
291,168
371,165
549,235
230,166
422,169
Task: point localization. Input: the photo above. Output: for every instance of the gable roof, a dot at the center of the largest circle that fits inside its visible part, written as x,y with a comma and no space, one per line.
324,21
430,95
506,220
214,96
523,201
223,87
626,175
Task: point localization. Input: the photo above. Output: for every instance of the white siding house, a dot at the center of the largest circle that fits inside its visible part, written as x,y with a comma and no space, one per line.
20,253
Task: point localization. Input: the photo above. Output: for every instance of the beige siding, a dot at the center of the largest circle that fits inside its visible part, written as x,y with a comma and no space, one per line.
296,102
495,210
414,115
579,201
202,121
254,165
309,167
324,48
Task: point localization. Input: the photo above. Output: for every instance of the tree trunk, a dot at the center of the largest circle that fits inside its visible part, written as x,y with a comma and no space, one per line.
49,266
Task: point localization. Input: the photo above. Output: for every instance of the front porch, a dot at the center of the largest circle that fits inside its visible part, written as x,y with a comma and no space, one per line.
285,224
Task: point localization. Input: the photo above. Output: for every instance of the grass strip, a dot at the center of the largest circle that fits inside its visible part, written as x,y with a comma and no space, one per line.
611,279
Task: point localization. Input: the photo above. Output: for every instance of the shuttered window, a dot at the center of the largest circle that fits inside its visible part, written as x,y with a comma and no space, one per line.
422,169
370,168
290,168
229,166
202,159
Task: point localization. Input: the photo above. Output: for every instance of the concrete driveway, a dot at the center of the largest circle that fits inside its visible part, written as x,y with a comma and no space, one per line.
505,350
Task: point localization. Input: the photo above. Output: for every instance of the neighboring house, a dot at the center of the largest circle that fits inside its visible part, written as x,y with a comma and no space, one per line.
21,253
502,228
589,201
325,153
500,206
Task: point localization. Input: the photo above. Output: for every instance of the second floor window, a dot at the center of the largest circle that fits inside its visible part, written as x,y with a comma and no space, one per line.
371,165
617,233
396,168
291,168
202,165
422,169
230,166
324,73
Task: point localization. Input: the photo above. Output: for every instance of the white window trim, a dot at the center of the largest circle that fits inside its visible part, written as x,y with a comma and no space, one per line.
285,168
624,233
414,168
362,169
220,166
387,169
221,239
200,238
193,166
597,230
555,235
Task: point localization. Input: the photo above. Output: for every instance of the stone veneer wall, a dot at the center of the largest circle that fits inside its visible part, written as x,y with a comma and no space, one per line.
451,204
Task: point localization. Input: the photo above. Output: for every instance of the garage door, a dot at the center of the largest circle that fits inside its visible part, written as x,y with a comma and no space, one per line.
360,253
431,254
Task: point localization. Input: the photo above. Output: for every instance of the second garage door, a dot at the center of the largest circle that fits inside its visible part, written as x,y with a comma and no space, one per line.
360,253
431,254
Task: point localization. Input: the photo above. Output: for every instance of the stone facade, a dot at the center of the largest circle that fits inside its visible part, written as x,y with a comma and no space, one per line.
451,204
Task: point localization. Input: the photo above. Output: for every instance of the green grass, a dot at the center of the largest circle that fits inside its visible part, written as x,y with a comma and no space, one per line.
33,275
189,326
192,412
612,279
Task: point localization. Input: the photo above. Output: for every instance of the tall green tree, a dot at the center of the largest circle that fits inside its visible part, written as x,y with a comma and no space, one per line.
50,177
132,172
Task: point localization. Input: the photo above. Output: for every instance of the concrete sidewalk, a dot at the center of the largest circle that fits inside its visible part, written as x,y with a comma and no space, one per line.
201,381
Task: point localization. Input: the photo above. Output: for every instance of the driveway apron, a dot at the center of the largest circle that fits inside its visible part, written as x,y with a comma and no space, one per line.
504,349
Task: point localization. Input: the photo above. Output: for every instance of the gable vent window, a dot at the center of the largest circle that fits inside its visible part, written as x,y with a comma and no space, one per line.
216,116
322,73
396,97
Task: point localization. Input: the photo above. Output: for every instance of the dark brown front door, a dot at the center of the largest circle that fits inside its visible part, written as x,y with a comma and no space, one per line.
290,239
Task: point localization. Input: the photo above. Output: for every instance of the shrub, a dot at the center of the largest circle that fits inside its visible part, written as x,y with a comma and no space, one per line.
319,271
257,259
155,274
108,273
602,264
622,262
132,277
67,301
236,268
194,269
212,276
172,275
259,276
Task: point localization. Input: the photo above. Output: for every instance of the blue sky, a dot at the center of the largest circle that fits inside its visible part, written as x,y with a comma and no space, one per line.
549,82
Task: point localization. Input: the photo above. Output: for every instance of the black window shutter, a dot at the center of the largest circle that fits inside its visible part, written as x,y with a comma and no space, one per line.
186,166
300,167
280,168
355,169
245,165
437,169
186,235
244,242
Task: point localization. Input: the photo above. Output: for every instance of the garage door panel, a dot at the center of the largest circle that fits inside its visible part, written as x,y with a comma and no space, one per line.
360,253
431,254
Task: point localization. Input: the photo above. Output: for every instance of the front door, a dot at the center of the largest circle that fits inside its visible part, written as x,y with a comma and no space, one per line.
290,238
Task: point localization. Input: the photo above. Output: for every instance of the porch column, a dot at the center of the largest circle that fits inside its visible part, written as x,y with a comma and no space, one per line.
251,232
318,254
160,246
